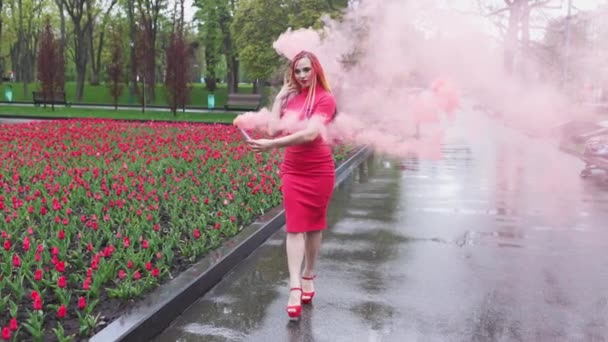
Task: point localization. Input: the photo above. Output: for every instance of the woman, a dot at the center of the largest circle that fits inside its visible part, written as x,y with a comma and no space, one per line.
307,171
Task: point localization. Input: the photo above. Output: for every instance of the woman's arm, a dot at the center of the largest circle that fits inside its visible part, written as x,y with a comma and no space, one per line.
306,135
275,118
282,97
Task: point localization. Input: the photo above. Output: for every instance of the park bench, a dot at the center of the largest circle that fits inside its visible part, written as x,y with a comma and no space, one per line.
58,97
243,101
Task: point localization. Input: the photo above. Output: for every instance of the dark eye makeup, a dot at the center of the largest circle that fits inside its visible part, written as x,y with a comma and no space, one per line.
306,69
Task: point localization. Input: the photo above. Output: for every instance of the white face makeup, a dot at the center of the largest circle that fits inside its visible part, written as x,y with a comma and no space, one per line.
303,72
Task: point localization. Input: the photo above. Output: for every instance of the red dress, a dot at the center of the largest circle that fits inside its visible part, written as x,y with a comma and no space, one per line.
308,171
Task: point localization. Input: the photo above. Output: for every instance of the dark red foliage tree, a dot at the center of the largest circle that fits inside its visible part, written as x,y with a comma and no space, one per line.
178,65
115,69
51,65
145,57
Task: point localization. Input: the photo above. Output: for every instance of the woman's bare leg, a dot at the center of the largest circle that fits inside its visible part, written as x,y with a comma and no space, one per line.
295,255
312,247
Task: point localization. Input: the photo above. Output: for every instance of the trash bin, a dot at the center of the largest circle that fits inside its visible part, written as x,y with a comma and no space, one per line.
210,101
8,94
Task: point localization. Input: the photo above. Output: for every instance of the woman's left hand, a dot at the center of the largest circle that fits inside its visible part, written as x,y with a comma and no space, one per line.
261,145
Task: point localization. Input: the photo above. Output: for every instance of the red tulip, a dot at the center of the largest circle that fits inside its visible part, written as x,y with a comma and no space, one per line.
136,275
13,325
38,275
61,234
61,312
196,233
86,285
16,261
6,333
82,303
60,267
61,282
7,245
38,303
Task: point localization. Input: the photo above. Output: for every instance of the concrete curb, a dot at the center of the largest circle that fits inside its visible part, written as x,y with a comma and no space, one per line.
152,315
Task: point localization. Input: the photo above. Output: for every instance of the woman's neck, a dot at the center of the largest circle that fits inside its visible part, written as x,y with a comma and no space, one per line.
304,90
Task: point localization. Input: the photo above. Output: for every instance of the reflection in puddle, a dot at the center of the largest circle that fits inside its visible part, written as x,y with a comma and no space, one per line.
213,331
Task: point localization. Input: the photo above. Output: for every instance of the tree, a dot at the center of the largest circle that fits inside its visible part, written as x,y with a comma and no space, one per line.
307,13
25,16
208,17
176,79
150,16
51,66
95,47
215,18
130,9
1,22
566,45
518,24
115,68
81,24
178,65
256,25
145,57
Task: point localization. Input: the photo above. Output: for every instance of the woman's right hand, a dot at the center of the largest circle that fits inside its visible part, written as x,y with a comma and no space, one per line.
287,88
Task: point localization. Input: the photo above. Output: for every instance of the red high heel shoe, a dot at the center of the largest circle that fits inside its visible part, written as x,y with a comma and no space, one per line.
307,296
294,311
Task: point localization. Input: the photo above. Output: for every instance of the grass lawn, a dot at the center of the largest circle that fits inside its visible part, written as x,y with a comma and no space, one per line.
100,94
135,114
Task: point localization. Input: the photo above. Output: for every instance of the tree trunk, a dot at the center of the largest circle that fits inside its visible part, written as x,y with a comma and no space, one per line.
17,60
233,75
152,66
96,50
525,39
95,63
133,60
2,60
80,55
62,23
511,38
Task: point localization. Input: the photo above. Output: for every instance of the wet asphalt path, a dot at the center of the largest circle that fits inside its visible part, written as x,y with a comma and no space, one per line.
498,241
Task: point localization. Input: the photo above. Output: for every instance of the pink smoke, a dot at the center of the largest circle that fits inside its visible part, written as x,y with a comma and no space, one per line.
400,70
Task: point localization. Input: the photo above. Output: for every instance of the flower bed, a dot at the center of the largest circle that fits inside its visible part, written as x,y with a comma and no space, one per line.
95,213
